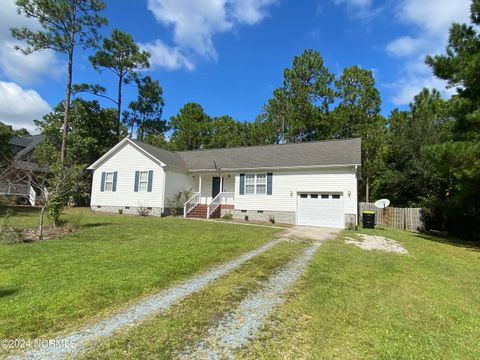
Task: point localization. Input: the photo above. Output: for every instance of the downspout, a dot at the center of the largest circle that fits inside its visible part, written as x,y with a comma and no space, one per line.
164,189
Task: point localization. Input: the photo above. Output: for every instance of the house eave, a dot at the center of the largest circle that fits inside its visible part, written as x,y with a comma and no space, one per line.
306,167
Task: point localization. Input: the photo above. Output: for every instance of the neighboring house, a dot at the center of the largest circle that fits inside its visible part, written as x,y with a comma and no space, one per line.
313,184
22,150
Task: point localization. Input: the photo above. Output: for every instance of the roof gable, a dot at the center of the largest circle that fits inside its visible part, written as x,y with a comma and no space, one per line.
120,145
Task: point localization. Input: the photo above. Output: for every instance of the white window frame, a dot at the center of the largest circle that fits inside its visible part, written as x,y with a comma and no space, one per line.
143,183
108,184
255,183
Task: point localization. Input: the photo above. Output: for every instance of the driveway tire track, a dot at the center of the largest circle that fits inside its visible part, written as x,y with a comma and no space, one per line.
137,313
238,327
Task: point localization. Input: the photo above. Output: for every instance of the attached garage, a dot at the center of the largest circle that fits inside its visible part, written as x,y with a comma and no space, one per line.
320,209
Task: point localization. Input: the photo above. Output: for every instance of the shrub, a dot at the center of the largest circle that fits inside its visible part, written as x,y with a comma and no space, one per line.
9,234
55,207
272,219
176,201
227,216
143,211
120,211
246,217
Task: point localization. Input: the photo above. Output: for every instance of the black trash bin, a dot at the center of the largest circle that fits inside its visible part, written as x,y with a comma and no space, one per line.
368,217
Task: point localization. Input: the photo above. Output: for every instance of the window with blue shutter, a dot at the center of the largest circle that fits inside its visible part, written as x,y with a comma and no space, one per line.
269,183
102,183
150,181
242,184
137,178
256,184
109,181
143,181
114,185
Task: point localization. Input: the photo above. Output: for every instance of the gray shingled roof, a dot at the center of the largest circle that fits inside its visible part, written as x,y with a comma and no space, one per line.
165,156
320,153
27,142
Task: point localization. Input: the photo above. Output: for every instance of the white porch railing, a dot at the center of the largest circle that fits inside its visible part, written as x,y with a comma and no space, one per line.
191,203
221,198
14,189
32,197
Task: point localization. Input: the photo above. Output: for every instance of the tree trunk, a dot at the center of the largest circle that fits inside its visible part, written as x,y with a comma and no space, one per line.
367,190
40,229
119,107
67,105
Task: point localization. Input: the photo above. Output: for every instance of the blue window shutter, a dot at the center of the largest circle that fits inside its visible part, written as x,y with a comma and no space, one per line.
269,183
102,184
114,185
242,184
150,180
137,179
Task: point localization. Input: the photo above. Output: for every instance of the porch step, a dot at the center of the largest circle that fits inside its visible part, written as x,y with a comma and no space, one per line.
200,211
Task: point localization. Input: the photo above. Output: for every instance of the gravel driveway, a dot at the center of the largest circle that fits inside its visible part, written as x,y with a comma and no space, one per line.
241,325
136,313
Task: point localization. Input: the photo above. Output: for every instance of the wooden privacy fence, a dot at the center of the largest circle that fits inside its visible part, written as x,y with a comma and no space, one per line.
411,219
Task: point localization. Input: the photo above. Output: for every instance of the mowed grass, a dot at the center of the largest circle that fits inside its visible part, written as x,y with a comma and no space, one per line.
168,334
22,216
55,285
357,304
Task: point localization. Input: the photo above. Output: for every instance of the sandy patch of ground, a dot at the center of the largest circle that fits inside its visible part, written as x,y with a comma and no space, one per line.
310,233
371,242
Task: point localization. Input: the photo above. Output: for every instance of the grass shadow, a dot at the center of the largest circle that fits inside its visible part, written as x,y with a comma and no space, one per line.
470,245
8,292
95,225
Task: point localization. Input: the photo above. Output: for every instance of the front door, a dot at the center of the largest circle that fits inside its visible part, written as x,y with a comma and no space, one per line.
215,186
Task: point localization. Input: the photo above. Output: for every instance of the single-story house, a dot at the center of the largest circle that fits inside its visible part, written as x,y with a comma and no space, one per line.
312,183
19,183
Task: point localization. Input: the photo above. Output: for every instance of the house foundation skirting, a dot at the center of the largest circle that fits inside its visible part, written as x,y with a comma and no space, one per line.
131,210
282,217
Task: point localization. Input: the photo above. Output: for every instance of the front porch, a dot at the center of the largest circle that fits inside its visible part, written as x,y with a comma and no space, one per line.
213,192
26,192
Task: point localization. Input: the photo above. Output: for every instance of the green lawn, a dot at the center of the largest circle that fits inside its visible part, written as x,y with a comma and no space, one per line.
351,303
55,285
23,216
357,304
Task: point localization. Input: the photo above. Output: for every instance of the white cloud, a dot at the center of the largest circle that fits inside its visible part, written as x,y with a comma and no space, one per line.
405,46
361,9
357,3
434,16
416,76
19,107
195,23
28,69
165,56
13,64
250,11
431,20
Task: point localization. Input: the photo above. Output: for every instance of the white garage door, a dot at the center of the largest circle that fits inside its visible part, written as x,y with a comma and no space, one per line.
320,209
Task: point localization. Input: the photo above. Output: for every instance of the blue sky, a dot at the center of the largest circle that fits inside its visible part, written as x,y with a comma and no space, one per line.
229,55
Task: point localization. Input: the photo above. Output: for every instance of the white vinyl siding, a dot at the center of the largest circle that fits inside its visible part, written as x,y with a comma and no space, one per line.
126,161
287,184
175,182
